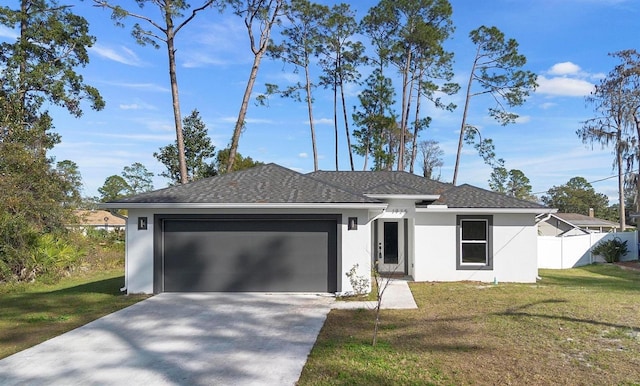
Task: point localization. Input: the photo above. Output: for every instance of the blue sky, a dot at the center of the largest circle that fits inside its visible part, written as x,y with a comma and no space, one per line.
566,43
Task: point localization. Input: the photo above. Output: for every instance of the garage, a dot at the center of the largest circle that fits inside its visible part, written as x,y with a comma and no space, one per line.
245,253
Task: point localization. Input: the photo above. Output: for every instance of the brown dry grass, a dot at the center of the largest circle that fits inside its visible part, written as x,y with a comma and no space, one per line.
575,327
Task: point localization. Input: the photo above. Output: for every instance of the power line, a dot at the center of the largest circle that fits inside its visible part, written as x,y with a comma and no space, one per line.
595,181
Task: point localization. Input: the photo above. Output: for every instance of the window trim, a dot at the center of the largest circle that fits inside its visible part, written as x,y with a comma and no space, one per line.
488,219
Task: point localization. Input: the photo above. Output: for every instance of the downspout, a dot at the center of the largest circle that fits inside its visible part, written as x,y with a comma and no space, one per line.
126,248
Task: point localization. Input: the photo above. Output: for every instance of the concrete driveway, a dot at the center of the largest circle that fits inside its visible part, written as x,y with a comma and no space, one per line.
181,339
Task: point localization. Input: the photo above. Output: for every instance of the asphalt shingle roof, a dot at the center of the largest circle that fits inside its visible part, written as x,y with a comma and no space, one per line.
268,183
382,182
467,196
274,184
585,221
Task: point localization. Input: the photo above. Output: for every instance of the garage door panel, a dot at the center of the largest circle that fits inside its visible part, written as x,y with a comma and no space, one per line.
248,255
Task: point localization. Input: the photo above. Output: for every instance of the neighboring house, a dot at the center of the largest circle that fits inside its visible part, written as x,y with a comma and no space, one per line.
573,224
99,219
273,229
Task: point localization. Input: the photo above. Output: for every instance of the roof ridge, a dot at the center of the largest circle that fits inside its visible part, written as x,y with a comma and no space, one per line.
342,188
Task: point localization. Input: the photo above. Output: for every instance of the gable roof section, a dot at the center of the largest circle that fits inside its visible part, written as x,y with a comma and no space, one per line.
580,220
393,182
382,182
467,196
265,184
97,218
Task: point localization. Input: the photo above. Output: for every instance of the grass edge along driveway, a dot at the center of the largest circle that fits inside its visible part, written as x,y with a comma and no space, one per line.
576,326
32,313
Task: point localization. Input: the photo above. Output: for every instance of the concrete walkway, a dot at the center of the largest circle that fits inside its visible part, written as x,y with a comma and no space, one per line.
397,296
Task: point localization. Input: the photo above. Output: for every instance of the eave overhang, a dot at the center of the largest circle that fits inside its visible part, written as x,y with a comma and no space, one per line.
412,197
186,205
445,209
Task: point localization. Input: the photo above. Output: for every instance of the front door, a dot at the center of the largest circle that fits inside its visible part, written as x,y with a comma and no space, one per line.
390,251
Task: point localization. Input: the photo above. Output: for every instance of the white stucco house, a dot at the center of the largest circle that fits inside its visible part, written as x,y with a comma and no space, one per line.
270,228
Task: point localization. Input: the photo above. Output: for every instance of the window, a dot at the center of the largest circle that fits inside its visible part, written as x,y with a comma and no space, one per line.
474,242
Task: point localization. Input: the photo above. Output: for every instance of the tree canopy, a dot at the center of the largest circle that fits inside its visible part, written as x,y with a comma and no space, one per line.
199,152
38,71
577,196
496,71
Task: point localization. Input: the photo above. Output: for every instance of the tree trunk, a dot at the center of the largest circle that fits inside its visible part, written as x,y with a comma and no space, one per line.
335,117
237,131
346,124
416,129
463,124
621,187
23,66
258,51
405,111
311,124
182,164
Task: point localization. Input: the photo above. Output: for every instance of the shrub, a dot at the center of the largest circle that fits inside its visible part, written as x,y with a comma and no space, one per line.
360,284
612,250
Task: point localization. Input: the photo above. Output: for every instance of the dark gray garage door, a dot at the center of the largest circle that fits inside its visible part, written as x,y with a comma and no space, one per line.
247,254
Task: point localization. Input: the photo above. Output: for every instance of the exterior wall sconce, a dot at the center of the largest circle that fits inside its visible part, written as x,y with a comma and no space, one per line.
142,223
352,224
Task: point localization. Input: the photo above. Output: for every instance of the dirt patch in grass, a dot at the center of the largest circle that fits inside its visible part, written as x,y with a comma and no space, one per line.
32,313
579,326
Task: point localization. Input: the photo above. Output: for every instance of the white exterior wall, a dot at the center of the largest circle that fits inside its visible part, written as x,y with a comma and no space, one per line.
514,249
356,244
139,253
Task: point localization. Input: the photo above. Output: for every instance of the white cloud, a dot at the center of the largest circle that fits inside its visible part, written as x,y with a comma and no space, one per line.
564,68
548,105
201,59
523,119
8,33
247,120
137,106
322,121
140,86
124,55
219,44
141,137
563,86
303,155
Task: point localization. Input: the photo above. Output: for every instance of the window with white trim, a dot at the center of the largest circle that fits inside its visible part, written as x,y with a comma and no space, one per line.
474,250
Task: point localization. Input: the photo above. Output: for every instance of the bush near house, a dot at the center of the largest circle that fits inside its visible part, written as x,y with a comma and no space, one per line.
612,250
33,256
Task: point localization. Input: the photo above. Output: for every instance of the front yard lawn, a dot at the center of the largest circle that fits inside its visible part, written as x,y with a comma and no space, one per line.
577,326
32,313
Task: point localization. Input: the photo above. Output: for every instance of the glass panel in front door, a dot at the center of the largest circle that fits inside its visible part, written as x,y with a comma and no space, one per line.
390,243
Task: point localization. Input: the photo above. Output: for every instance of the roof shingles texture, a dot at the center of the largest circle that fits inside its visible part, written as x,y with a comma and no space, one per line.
262,184
275,184
382,182
467,196
585,221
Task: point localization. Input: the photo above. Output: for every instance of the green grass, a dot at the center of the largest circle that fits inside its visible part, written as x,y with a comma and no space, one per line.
31,313
578,326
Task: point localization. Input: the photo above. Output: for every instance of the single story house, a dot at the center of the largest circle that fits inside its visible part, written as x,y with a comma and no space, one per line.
98,219
574,224
269,228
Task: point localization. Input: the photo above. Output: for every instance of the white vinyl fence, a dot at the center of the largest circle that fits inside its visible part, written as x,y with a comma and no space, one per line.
574,251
